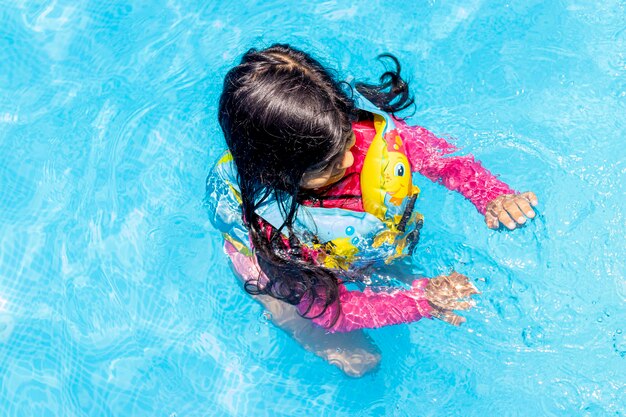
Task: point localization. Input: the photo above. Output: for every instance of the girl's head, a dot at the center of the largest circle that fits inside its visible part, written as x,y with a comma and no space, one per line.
284,116
287,123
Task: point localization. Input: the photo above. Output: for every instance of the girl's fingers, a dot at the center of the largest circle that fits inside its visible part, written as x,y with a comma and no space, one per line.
454,286
491,220
450,317
531,197
451,292
469,290
452,302
506,220
514,211
463,287
457,305
448,303
449,287
458,280
524,205
511,210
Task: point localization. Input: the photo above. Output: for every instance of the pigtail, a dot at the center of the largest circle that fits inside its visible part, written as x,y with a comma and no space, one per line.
291,277
392,94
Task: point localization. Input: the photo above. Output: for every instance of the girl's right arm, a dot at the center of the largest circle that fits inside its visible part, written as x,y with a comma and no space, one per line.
499,203
429,155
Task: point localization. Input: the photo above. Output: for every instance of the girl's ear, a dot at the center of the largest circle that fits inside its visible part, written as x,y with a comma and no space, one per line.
313,180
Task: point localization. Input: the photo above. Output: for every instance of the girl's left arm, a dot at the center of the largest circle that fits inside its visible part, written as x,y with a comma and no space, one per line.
437,297
368,309
493,198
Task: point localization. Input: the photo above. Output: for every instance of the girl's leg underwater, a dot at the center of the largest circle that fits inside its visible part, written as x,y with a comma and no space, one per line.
354,353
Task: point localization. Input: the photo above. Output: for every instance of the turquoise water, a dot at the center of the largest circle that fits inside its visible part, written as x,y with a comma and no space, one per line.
115,297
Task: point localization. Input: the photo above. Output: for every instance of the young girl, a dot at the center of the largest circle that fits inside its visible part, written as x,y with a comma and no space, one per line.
317,195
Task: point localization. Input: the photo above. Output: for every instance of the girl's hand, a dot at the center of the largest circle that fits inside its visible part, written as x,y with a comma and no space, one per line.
447,293
510,210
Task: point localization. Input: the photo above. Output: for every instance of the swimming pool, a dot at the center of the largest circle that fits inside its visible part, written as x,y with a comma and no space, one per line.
116,299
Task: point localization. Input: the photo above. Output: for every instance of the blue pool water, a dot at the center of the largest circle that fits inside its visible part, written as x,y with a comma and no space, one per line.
116,299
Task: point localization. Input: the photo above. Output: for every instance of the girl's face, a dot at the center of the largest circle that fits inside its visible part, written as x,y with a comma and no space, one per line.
331,173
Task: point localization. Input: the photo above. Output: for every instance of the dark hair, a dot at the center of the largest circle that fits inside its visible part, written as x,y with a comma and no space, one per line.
282,113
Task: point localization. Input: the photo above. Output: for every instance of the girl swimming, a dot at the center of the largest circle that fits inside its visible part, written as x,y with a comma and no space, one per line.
317,194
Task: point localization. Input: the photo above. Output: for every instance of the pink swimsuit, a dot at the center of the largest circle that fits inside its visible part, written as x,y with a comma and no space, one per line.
427,155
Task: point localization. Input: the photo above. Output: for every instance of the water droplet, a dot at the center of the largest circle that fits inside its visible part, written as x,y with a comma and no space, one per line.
532,336
265,317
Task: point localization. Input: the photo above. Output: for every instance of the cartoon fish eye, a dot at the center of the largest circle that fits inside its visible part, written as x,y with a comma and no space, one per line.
399,169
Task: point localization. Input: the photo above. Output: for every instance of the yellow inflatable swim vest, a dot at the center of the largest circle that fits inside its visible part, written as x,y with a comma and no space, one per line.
386,177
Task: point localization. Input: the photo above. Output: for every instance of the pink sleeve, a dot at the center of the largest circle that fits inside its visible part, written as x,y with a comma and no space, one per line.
369,309
427,154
